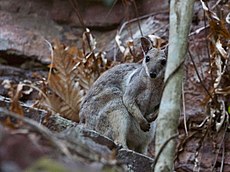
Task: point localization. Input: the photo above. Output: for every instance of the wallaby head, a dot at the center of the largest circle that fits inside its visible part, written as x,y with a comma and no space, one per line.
154,59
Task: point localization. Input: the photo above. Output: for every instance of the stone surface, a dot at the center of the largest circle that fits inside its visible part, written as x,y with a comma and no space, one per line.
26,24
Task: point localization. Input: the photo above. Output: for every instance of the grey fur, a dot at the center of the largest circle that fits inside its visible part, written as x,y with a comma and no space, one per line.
122,99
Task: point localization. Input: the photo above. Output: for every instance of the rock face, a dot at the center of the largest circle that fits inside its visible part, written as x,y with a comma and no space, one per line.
25,26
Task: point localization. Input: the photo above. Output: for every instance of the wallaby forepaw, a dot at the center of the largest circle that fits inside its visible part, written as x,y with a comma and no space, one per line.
145,126
152,117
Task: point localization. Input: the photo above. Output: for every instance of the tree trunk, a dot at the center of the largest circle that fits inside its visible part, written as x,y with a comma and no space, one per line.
167,122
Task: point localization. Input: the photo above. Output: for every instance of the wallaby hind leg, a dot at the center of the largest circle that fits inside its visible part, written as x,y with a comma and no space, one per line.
113,124
119,122
149,138
143,148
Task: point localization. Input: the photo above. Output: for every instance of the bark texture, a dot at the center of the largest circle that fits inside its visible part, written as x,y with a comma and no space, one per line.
167,124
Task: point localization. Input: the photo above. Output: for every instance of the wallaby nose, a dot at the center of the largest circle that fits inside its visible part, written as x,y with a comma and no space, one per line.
163,62
153,74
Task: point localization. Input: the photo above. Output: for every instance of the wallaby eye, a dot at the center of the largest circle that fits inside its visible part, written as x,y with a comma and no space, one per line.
163,62
147,58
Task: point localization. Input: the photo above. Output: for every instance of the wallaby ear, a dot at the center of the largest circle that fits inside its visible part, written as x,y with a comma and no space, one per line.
166,50
146,44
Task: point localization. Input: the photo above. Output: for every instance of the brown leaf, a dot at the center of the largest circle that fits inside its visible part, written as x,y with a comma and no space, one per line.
15,93
72,72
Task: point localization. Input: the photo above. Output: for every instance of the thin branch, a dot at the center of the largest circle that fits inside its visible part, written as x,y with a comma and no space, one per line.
208,51
223,150
162,148
184,111
201,69
222,159
75,5
198,75
110,10
131,21
203,122
52,58
176,69
199,59
200,145
217,3
199,30
138,21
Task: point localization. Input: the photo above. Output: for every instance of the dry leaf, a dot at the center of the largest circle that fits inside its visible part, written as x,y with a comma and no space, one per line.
72,73
15,92
221,49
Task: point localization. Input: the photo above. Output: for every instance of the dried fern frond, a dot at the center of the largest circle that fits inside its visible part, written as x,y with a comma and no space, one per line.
72,73
92,64
64,93
219,36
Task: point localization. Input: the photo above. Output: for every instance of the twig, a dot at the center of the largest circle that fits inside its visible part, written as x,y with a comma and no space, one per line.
198,75
110,10
217,3
203,122
199,59
200,145
223,149
184,111
41,129
52,58
198,30
137,19
162,148
131,21
172,73
181,146
222,159
208,51
75,5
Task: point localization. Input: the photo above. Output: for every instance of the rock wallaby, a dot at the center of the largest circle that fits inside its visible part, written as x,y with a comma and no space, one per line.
121,101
